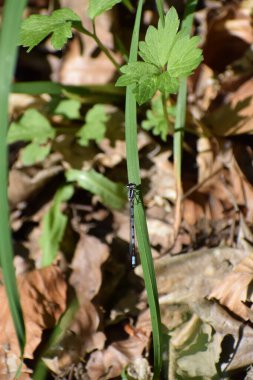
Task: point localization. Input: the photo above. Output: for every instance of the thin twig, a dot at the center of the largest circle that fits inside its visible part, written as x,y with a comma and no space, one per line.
200,184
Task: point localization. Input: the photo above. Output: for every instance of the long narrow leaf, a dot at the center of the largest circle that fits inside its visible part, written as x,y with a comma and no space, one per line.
111,194
53,225
140,219
8,40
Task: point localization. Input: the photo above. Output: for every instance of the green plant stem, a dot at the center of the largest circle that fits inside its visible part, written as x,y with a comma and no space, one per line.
159,4
8,50
140,219
165,112
180,118
103,48
99,43
128,5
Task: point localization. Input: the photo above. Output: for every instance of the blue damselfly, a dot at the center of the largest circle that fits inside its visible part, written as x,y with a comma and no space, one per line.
131,195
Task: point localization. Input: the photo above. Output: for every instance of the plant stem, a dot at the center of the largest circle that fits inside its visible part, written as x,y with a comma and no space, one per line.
180,121
165,112
103,48
159,4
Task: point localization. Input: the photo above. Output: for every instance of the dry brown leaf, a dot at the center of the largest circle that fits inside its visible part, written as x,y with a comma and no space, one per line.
203,89
160,233
223,24
43,300
192,212
235,116
22,186
110,361
86,274
162,173
81,337
82,67
235,289
180,280
241,334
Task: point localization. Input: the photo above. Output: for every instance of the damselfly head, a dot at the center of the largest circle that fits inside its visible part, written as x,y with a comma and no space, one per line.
131,185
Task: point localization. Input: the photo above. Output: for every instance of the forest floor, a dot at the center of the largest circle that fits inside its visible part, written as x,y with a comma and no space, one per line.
204,274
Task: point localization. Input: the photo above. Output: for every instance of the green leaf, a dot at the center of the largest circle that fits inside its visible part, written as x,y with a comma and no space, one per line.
184,57
68,108
158,42
96,7
33,126
145,89
53,225
167,84
112,194
94,128
168,56
134,72
155,119
37,27
34,153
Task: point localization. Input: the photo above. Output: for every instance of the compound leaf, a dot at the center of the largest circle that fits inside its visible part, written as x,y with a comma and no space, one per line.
94,128
37,27
168,56
155,119
34,153
68,108
33,126
158,42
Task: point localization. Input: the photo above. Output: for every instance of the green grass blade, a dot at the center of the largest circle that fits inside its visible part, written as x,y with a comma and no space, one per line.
54,88
140,219
8,41
111,194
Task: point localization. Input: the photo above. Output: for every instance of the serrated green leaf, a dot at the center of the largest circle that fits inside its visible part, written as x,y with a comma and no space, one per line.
97,7
94,128
33,126
155,119
34,153
164,48
37,27
53,225
134,71
145,89
112,194
158,42
70,108
167,84
184,57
